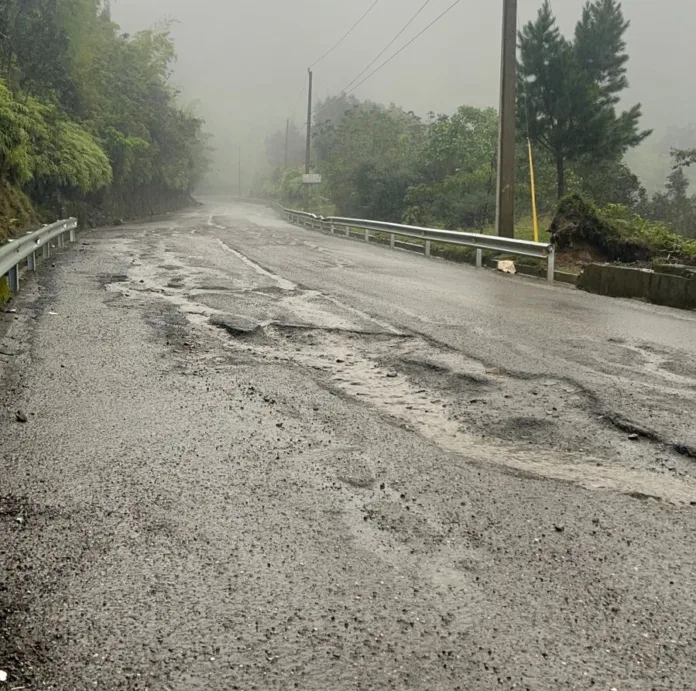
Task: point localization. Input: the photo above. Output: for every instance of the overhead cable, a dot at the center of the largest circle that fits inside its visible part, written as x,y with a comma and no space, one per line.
398,52
345,36
390,44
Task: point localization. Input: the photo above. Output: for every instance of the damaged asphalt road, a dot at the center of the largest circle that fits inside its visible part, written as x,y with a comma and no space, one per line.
257,457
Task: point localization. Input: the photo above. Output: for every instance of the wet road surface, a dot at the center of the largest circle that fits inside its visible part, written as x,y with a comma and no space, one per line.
258,457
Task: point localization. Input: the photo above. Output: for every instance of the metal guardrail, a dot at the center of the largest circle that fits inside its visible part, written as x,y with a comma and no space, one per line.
479,242
27,247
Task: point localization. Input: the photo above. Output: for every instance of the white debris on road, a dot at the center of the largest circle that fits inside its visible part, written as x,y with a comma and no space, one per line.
507,266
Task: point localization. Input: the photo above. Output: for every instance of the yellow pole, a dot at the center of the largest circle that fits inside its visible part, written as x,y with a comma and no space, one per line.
535,218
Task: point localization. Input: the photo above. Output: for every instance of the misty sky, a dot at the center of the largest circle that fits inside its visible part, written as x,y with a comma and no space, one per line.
246,60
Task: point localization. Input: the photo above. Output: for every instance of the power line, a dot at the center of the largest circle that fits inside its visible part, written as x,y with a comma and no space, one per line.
398,52
345,36
390,44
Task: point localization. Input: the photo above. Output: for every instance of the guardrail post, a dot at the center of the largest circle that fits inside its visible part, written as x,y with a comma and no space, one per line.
367,235
551,265
60,240
31,262
479,259
72,235
392,241
427,248
13,279
46,250
347,231
333,229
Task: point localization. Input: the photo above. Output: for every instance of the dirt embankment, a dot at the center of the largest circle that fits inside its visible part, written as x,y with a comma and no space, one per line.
584,234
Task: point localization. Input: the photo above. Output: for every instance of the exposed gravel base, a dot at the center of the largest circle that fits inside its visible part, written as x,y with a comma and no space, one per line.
234,477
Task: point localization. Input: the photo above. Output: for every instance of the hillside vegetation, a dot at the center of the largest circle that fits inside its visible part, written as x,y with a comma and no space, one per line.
387,163
89,123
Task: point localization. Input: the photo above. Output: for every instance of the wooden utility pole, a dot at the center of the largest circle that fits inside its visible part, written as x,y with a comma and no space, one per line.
239,172
505,205
287,136
308,152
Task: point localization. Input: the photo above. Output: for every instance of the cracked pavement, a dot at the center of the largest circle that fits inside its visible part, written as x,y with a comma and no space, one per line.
258,457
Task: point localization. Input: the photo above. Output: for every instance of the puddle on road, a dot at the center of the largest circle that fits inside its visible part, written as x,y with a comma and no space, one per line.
417,385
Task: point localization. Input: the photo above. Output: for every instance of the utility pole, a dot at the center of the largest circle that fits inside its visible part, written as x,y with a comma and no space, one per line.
505,204
287,137
239,172
308,153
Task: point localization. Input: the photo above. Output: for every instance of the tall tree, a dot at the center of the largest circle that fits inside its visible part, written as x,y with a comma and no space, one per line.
600,46
568,90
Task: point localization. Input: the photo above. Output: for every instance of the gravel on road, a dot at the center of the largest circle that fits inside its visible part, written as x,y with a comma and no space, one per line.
258,457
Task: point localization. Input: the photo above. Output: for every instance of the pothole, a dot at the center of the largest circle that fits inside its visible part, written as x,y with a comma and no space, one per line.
542,426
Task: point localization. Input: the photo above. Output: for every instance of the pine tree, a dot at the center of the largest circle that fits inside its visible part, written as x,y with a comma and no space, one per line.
601,48
568,91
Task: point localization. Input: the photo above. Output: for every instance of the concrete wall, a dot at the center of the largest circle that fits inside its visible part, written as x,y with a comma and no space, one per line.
674,289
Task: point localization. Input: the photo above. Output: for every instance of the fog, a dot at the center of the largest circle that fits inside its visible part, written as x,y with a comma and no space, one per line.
245,61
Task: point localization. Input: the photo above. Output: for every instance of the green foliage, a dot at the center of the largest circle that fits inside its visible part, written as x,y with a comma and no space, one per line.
458,164
463,200
616,233
16,211
600,46
608,182
385,163
674,206
64,156
291,188
569,90
328,116
683,158
39,147
369,160
15,161
282,186
86,109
